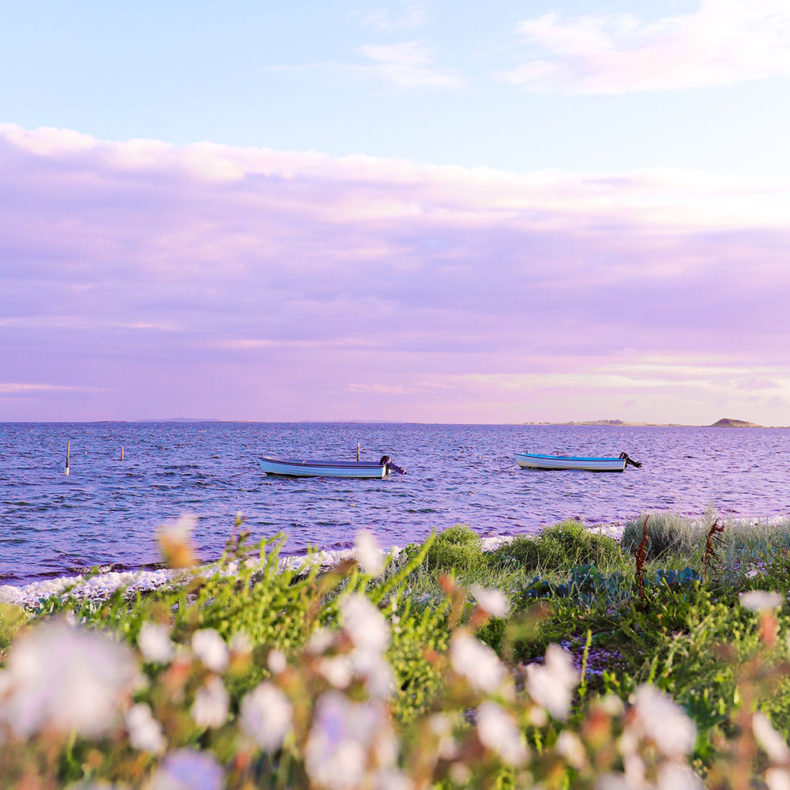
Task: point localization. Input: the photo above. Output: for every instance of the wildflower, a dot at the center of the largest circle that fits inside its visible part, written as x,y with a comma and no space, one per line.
276,661
498,731
760,600
266,716
441,727
337,670
772,742
664,721
210,708
145,732
672,776
365,624
392,779
154,643
477,662
346,739
188,770
240,644
368,554
492,601
320,640
777,779
64,677
552,683
175,542
571,748
211,649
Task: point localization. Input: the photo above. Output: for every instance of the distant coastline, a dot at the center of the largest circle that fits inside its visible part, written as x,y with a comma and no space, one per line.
724,422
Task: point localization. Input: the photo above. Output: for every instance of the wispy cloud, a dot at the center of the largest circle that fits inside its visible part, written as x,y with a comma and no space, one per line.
724,42
407,64
408,14
358,287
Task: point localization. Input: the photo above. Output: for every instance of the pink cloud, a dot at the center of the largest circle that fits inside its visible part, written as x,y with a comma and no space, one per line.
254,284
724,42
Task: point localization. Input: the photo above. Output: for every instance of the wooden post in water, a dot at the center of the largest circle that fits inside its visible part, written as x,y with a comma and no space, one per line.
122,452
68,453
357,451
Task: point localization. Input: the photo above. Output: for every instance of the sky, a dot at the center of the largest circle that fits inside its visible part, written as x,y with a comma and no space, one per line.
406,211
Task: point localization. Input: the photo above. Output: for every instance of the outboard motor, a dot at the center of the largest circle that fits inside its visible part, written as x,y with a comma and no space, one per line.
629,460
385,461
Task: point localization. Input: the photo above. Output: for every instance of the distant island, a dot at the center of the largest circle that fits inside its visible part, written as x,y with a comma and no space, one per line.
728,422
724,422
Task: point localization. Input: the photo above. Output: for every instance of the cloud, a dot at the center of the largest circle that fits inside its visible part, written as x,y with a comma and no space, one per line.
250,283
409,14
724,42
407,64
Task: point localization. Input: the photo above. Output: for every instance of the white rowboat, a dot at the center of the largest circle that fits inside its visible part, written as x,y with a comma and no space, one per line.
587,464
290,468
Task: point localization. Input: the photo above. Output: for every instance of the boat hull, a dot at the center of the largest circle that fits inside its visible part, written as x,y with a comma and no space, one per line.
345,469
566,462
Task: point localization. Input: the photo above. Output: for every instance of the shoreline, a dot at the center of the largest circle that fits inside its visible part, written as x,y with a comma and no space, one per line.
102,585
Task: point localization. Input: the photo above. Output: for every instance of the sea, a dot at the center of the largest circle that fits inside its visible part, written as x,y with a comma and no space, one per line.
104,514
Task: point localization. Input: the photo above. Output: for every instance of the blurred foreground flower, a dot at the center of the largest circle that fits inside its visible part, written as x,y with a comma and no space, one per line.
65,678
477,662
154,643
145,732
370,634
493,601
368,554
551,684
210,708
499,732
761,600
211,649
267,716
664,722
175,542
347,740
188,770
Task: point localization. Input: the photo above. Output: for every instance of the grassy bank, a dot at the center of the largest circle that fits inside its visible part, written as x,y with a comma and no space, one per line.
569,659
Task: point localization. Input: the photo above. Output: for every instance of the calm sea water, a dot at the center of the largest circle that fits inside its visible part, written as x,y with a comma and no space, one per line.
106,511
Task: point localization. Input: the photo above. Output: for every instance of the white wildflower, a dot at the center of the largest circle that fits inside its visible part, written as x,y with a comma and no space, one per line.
499,732
240,644
179,530
337,670
210,708
266,716
664,721
188,770
441,726
392,779
551,684
346,739
571,748
211,649
320,641
276,661
777,779
368,554
772,742
613,782
760,600
145,732
672,776
492,601
365,624
154,643
477,662
66,678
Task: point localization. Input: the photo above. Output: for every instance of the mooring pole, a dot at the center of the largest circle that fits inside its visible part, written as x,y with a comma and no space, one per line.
357,451
122,452
68,453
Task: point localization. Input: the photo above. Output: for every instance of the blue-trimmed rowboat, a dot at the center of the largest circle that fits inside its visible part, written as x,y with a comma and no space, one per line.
587,464
292,468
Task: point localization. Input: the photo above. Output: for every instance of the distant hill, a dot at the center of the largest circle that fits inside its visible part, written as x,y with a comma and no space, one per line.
728,422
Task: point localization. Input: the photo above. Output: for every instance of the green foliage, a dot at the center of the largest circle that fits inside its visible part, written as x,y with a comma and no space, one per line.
667,534
455,549
12,618
557,548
